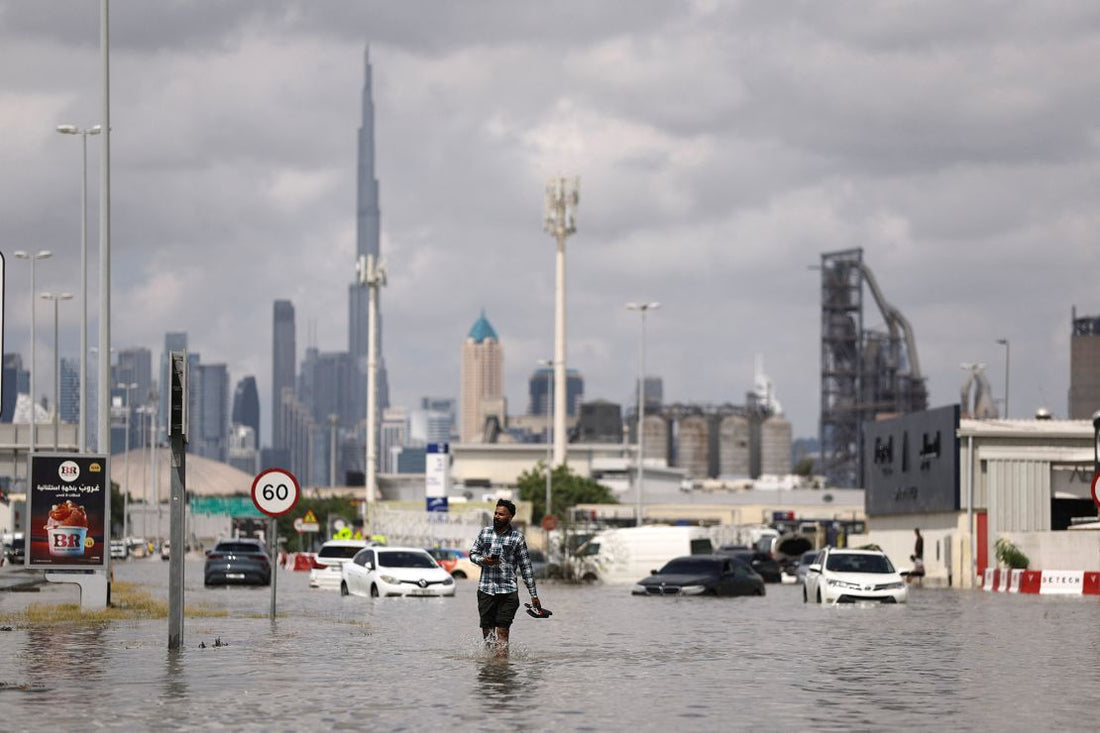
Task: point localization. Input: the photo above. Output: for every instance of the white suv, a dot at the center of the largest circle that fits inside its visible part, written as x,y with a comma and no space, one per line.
852,576
325,566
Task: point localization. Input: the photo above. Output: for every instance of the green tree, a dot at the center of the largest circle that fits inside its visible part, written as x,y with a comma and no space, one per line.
805,467
567,489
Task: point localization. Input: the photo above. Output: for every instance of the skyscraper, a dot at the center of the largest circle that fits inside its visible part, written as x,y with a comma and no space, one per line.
482,380
208,426
283,350
16,379
69,400
368,226
538,392
246,406
1084,366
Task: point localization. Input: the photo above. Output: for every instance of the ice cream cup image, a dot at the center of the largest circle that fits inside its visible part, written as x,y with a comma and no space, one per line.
67,541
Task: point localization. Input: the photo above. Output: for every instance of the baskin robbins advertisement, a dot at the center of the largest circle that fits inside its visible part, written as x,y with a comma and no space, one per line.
68,512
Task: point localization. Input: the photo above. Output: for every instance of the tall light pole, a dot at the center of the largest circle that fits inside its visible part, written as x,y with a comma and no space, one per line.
1004,343
104,427
372,275
82,409
40,255
126,462
333,421
643,308
549,364
560,221
56,298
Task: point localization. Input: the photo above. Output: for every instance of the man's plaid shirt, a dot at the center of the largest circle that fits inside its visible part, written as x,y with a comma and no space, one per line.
511,547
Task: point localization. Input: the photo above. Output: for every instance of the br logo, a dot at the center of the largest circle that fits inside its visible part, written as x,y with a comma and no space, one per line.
69,540
68,471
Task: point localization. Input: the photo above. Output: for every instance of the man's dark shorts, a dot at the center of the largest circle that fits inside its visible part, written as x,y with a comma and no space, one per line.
497,611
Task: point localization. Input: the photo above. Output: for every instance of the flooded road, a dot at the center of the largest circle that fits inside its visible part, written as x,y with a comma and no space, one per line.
604,661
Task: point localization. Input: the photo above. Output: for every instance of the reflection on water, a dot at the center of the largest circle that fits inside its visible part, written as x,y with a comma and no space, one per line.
605,661
56,655
174,681
497,678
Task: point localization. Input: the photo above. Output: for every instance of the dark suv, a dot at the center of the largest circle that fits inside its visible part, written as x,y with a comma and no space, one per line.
243,561
766,566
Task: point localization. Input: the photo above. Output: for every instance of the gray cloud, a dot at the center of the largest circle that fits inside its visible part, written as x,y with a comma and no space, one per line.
722,148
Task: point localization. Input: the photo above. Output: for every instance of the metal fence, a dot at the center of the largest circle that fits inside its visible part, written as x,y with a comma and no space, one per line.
429,529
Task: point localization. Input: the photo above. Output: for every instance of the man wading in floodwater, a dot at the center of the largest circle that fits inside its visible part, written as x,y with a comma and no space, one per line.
501,550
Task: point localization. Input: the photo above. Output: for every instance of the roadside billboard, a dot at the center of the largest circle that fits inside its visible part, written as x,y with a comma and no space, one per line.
911,463
68,508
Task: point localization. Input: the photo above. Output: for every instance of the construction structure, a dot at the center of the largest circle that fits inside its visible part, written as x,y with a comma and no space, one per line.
865,374
1084,372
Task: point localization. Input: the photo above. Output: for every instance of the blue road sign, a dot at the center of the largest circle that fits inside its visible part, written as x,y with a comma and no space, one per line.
437,503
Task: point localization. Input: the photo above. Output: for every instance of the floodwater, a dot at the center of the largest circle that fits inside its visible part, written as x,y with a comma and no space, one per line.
960,660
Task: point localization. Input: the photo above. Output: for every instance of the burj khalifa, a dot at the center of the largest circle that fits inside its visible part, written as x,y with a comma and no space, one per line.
368,243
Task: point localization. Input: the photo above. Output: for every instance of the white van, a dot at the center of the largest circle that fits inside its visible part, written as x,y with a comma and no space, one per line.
629,554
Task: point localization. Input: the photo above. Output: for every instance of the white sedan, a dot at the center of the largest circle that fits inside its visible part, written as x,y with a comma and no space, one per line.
395,571
853,576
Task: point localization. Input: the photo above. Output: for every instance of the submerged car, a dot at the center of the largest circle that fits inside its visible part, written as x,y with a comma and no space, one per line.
808,558
764,564
456,562
242,561
852,576
324,571
699,575
395,571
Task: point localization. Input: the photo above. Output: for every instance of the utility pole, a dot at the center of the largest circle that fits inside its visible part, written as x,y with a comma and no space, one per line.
560,221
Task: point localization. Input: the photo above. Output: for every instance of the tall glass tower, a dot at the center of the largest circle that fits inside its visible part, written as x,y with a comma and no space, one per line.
283,352
368,243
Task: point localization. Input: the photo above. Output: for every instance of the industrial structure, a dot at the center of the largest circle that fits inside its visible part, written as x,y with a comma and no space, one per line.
1084,374
865,374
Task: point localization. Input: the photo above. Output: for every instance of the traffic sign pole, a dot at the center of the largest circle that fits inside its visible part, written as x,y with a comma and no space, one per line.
275,492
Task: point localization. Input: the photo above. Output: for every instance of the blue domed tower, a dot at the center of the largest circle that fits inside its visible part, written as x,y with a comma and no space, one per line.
482,393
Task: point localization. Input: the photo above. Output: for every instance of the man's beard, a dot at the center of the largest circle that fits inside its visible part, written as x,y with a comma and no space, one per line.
500,524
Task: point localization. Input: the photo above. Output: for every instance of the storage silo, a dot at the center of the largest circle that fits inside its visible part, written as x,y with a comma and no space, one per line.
733,446
655,430
693,436
775,446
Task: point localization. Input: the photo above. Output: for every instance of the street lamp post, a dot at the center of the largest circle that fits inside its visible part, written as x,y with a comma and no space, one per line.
549,364
56,298
333,421
40,255
126,462
82,410
642,308
1004,343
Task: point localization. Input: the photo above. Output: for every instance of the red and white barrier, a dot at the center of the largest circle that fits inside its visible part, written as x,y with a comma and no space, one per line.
1043,582
296,560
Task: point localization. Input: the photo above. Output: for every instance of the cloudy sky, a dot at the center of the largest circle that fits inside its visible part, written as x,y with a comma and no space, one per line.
722,148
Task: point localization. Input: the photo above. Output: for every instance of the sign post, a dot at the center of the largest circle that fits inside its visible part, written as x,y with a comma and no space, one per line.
437,476
177,438
67,523
274,492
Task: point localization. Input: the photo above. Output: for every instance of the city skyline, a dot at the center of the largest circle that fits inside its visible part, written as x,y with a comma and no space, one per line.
721,150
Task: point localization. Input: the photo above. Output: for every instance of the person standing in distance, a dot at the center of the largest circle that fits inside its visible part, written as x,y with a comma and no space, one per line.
500,551
918,547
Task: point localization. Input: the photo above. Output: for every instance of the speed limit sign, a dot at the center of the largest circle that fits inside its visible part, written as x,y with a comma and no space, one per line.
275,492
